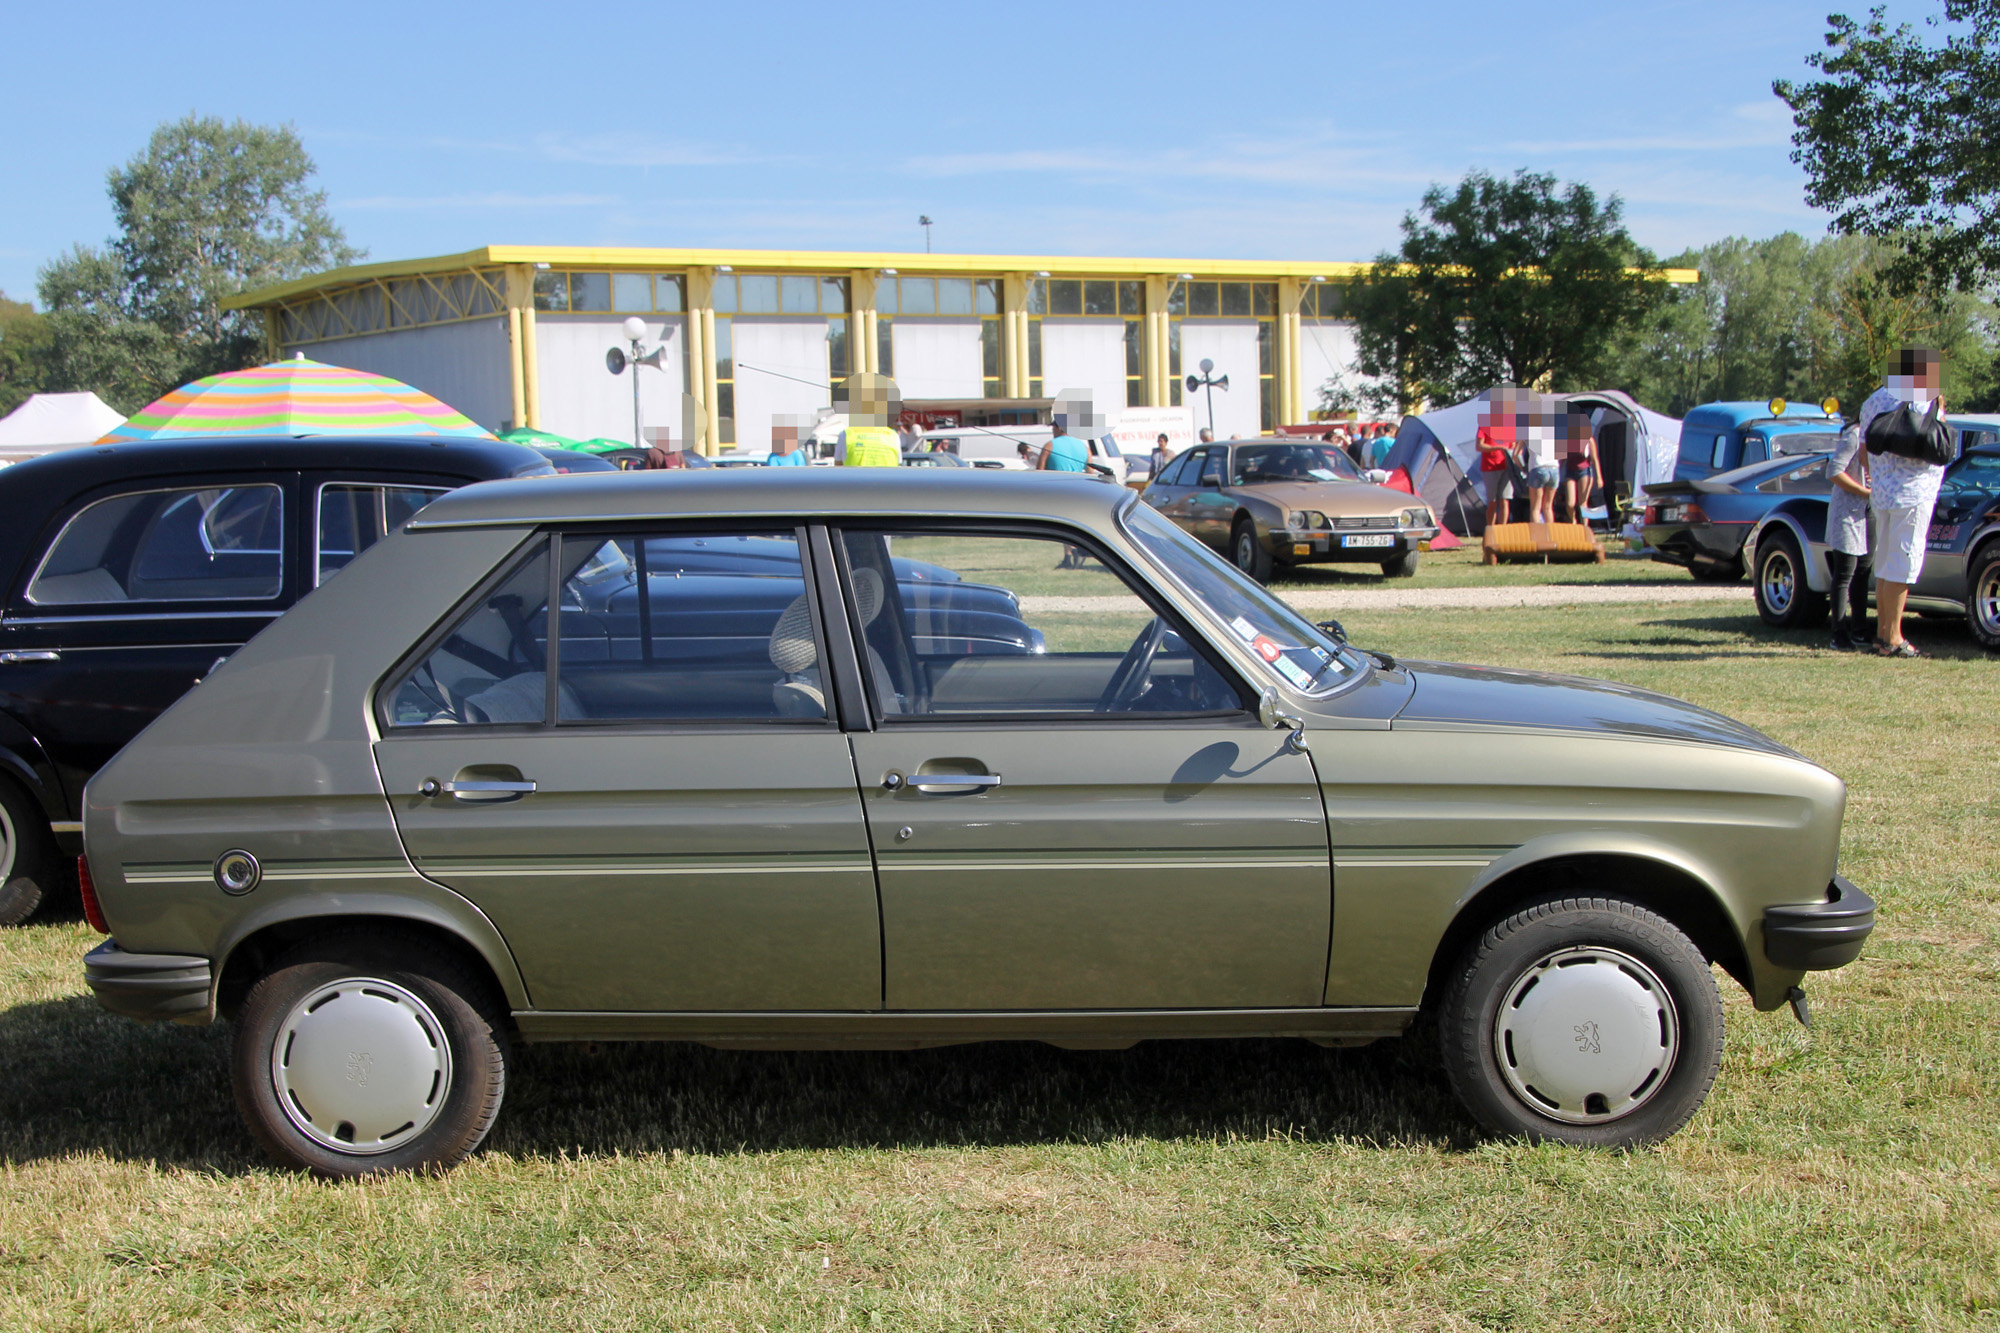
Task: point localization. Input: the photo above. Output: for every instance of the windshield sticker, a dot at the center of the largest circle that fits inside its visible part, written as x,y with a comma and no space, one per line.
1321,474
1293,672
1243,628
1266,649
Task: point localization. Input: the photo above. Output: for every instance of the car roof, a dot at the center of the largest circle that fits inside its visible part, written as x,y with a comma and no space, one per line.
1738,415
788,491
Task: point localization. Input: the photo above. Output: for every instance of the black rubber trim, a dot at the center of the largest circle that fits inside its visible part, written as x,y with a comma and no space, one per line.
148,986
1813,937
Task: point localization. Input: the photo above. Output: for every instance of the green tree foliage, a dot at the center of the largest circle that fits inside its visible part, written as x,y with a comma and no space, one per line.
21,333
1897,139
1517,281
1798,319
209,209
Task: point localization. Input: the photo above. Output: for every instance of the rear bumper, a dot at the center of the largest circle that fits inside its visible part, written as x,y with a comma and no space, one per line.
149,986
1813,937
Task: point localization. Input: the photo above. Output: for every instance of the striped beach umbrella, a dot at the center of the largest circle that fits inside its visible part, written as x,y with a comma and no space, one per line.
297,397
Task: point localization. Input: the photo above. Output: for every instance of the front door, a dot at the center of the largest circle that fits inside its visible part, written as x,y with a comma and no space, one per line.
1091,821
1210,508
656,810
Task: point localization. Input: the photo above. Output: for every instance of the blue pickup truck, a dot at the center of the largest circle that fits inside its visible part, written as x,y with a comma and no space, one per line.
1721,437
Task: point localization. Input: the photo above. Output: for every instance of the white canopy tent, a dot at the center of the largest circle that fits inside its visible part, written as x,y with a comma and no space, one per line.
50,421
1440,451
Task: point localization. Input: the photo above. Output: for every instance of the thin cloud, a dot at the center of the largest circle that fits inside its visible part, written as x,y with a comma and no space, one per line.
425,203
1327,161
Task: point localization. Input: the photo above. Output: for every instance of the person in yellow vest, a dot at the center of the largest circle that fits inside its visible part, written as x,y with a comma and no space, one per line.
873,407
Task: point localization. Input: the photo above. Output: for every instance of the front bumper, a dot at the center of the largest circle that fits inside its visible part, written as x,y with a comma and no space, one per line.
1323,545
1813,937
149,986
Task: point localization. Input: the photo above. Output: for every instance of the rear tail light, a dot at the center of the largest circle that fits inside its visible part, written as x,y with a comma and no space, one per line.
1652,514
92,911
1693,514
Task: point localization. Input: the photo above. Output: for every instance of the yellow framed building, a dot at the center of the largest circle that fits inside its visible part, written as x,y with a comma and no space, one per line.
516,335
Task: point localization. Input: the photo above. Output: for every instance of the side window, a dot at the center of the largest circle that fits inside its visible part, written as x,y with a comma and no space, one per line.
666,628
353,517
492,667
1719,459
1808,480
1176,470
1755,450
1211,467
224,543
958,625
1696,447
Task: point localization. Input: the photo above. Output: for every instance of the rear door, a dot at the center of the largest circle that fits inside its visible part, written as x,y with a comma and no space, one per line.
1095,825
652,803
135,594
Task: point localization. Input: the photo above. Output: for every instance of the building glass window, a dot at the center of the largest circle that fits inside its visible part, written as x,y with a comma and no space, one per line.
670,293
1135,382
725,383
986,295
989,356
551,291
757,294
631,292
837,364
590,291
885,346
1100,298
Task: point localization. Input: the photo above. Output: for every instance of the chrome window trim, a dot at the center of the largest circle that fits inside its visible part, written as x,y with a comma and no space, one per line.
28,597
381,487
271,614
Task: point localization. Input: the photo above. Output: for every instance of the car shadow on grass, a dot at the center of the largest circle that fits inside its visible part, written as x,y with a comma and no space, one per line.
1748,637
83,1081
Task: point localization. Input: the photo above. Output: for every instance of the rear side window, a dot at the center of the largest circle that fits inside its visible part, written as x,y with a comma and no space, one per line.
492,668
223,543
353,517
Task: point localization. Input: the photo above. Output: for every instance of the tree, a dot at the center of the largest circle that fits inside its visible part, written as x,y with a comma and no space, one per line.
1799,319
1502,281
21,332
1897,139
208,210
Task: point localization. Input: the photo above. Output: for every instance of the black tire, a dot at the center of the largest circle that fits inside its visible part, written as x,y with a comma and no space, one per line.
29,862
1403,566
430,996
1709,573
1982,596
1784,597
1248,553
1643,971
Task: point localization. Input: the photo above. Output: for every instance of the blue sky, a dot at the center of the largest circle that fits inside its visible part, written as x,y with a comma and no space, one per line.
1296,130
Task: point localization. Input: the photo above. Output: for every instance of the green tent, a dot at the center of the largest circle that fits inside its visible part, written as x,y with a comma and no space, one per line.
538,438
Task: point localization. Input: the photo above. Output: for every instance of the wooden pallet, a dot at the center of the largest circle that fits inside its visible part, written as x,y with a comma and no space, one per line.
1540,541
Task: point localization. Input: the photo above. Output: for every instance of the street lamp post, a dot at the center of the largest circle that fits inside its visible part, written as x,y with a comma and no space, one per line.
616,359
1211,383
924,221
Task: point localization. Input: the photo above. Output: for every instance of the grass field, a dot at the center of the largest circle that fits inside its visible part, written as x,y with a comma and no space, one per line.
1842,1178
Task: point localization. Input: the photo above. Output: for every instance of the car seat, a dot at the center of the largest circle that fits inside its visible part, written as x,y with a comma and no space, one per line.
801,693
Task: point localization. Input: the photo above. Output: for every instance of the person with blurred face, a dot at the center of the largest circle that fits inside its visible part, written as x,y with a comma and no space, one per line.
1902,492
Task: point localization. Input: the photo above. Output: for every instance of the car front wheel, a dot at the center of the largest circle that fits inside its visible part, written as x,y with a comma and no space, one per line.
1589,1021
1249,553
364,1054
27,856
1784,598
1403,566
1982,596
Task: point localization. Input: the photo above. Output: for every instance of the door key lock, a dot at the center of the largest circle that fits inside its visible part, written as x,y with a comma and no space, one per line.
892,781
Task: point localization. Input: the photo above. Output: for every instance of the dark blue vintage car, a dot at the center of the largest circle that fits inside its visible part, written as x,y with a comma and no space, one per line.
1961,574
1705,525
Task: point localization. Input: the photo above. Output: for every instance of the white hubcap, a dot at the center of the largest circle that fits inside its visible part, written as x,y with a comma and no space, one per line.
1586,1035
361,1066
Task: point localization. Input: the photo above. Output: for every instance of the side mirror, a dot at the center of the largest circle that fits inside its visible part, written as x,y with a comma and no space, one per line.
1268,713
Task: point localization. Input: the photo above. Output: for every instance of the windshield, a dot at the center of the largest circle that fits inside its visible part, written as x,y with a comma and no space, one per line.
1289,647
1292,462
1804,442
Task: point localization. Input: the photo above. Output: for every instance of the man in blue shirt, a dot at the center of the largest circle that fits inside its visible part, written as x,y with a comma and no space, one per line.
1065,453
785,451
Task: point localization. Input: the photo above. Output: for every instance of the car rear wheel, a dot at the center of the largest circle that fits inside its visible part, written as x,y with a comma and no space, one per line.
1402,567
1249,553
1589,1021
1982,596
1784,598
27,856
364,1054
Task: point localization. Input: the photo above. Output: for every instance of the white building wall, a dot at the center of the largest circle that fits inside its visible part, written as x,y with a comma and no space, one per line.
1326,351
1087,354
772,357
583,400
1232,345
938,358
464,365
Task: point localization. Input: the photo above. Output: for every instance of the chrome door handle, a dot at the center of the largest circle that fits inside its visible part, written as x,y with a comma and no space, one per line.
481,790
954,781
31,655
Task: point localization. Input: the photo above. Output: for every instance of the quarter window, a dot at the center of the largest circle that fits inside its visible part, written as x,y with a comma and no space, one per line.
353,518
492,668
957,625
223,543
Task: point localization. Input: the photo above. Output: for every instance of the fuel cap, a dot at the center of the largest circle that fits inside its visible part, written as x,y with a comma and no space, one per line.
237,871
